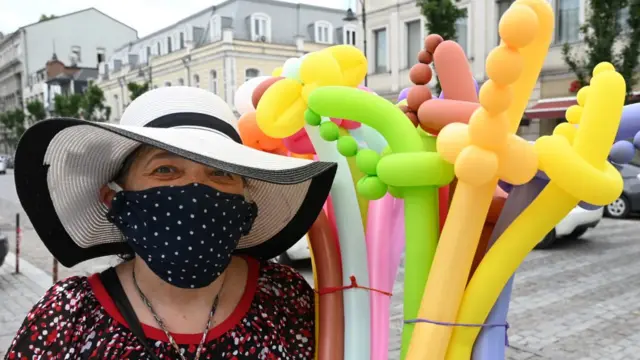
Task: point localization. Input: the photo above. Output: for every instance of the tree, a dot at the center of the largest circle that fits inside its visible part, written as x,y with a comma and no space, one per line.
44,17
441,16
35,112
67,105
13,122
92,105
136,89
604,32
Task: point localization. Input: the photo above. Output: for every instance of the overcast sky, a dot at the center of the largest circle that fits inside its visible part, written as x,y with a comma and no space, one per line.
146,16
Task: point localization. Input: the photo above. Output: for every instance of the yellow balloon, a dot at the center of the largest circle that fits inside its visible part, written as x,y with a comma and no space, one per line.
280,112
482,152
567,165
352,62
277,71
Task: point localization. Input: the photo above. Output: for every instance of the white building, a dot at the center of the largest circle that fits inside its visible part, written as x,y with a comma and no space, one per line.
84,38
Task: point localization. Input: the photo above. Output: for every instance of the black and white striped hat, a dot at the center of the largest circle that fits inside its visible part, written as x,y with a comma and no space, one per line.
61,164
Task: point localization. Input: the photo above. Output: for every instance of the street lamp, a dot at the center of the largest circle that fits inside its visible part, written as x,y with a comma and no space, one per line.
351,16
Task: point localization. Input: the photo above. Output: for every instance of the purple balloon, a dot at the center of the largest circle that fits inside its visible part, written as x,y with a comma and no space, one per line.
622,152
441,96
403,94
629,122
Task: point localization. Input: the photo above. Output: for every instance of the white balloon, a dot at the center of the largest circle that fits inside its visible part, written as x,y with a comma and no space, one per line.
242,99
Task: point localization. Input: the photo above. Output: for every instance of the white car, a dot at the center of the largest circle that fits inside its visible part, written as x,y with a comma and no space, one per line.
574,225
299,251
3,166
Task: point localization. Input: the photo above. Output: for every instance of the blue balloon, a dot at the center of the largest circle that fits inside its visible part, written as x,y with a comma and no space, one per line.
403,94
629,122
622,152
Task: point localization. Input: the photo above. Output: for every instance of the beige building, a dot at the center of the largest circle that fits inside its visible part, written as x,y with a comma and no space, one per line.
395,31
221,47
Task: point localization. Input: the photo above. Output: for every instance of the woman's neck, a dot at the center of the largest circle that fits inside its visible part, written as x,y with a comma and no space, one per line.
163,294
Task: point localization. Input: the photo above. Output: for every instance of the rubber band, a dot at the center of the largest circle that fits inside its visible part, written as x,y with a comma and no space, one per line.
354,285
505,325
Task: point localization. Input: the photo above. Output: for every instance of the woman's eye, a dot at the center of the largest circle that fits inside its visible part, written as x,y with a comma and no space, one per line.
222,173
164,170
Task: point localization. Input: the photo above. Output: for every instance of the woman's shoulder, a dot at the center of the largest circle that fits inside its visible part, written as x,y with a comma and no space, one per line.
283,283
66,295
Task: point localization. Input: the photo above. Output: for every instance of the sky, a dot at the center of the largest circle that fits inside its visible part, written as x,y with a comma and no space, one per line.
146,16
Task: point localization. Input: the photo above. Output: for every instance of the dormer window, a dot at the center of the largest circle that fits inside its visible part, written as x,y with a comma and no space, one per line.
324,32
215,28
261,27
76,54
158,48
349,35
169,49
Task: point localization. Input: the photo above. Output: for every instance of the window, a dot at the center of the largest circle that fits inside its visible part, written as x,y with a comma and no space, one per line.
323,32
567,20
148,53
503,5
415,43
158,48
169,45
196,80
380,39
181,40
100,55
76,54
167,83
261,27
250,74
181,82
349,35
462,33
215,28
213,81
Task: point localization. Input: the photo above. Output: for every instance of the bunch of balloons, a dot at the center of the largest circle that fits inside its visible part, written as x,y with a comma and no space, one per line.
394,159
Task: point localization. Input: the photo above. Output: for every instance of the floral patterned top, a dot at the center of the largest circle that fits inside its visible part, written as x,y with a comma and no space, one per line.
76,319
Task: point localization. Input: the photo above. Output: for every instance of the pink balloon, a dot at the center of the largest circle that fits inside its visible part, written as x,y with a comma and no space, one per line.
385,243
299,143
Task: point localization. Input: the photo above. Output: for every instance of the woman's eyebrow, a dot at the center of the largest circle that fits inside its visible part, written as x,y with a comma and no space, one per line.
163,155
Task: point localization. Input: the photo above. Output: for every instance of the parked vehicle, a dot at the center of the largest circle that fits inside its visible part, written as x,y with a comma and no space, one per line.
4,247
574,225
299,251
3,166
629,200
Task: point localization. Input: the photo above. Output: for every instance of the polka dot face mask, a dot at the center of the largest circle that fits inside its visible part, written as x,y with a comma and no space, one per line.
185,234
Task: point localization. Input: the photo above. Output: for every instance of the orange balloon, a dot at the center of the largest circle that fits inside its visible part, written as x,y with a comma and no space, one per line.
302,156
253,137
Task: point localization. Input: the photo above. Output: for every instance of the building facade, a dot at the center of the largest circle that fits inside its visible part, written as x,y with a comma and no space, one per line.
395,31
83,38
221,47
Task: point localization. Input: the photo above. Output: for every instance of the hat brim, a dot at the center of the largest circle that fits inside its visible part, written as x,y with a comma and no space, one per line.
61,164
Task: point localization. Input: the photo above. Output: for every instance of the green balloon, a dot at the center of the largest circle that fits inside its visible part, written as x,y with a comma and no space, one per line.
367,161
312,118
371,188
329,131
396,192
347,146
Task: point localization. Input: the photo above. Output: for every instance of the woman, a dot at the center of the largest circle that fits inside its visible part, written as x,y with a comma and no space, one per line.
197,214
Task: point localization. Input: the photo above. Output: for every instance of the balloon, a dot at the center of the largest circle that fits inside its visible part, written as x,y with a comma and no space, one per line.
630,122
454,72
242,98
277,72
299,143
567,163
622,152
330,345
397,169
261,88
443,96
403,94
490,344
291,69
252,136
347,124
385,243
483,151
352,63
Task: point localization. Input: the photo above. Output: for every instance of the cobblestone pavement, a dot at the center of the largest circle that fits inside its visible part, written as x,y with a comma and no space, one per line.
578,301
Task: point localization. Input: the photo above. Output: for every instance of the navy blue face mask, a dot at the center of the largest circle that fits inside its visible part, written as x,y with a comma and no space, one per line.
185,234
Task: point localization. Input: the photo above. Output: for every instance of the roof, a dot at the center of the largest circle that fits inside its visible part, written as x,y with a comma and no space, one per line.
213,8
555,108
83,74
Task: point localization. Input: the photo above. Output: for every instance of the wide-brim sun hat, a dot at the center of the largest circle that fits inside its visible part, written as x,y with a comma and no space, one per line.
62,163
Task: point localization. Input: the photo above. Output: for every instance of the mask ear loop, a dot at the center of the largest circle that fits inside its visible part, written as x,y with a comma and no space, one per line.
115,187
247,193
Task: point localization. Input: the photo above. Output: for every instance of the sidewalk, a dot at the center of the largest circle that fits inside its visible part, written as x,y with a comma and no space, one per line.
18,294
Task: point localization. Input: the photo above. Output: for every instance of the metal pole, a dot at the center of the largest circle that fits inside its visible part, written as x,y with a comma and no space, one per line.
18,239
364,32
55,271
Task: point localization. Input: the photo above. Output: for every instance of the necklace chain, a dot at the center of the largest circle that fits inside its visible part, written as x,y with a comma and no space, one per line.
160,323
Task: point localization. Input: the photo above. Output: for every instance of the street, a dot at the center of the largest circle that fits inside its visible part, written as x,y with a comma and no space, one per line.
578,300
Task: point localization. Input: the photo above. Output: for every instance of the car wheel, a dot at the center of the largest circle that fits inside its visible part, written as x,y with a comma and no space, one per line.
283,259
619,209
548,240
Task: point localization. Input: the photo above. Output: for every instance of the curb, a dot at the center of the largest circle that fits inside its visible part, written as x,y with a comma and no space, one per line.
30,271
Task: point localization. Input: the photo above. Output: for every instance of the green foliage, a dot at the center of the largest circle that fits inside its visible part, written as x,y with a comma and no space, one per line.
44,17
137,89
89,105
35,112
602,32
13,124
441,16
67,105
